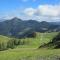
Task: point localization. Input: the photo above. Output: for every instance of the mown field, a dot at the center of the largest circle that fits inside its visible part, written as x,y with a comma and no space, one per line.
29,50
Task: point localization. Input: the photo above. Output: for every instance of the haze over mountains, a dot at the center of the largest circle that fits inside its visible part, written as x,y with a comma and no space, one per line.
16,26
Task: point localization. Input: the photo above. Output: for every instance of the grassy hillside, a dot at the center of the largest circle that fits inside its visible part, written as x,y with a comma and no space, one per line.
29,50
40,39
3,38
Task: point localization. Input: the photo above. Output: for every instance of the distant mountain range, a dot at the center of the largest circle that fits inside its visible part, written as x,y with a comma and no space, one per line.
16,26
55,23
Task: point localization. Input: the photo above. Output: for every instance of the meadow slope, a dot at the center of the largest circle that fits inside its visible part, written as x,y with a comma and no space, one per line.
30,51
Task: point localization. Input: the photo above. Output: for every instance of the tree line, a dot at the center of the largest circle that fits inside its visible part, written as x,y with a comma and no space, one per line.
13,42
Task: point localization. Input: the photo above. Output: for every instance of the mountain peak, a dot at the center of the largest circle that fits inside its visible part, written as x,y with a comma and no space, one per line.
15,18
44,22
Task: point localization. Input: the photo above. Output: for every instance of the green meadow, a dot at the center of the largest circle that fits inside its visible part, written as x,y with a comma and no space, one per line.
30,49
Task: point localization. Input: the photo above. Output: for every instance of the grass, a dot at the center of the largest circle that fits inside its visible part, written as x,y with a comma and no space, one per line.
3,38
40,39
29,51
17,54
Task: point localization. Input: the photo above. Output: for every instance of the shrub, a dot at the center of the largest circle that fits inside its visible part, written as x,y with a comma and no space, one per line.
33,34
10,44
3,46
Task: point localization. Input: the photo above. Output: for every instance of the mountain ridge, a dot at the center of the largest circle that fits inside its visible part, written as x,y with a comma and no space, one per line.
16,25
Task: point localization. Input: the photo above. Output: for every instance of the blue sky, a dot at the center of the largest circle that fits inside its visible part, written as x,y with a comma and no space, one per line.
19,8
7,5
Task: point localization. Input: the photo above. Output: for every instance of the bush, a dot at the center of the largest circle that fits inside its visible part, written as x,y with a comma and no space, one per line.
33,34
3,46
10,44
16,42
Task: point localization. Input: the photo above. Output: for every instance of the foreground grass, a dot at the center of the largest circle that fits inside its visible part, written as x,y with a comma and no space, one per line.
30,51
23,53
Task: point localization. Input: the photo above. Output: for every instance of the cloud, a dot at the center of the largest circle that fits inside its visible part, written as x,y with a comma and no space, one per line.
29,11
44,12
41,13
49,10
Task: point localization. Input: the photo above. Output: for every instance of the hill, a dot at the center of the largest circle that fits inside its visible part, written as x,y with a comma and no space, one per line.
3,39
29,51
41,38
54,43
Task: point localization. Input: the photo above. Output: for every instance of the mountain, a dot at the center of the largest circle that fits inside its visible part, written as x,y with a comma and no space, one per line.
15,26
55,23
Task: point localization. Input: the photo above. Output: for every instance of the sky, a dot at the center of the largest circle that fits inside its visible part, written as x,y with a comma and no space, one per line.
40,10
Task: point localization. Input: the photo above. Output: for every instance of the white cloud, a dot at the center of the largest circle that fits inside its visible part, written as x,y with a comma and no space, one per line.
41,13
49,10
44,12
29,11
